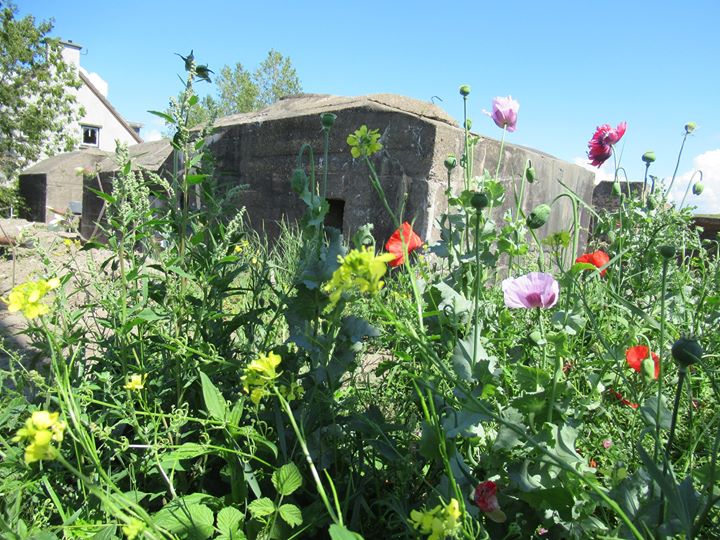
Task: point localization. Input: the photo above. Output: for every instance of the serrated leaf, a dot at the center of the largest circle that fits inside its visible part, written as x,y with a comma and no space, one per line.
287,479
291,514
191,521
229,520
261,507
214,400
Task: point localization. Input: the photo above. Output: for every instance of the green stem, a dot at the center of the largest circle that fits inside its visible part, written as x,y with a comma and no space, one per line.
661,361
677,164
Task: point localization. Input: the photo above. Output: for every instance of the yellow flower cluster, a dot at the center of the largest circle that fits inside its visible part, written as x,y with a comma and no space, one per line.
133,529
40,431
136,382
27,297
360,271
438,523
364,142
259,375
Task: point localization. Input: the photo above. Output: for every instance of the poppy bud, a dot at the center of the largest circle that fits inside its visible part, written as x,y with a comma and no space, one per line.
450,162
530,173
468,124
690,127
668,252
299,181
479,200
648,157
327,119
538,217
465,90
698,188
686,351
647,367
616,188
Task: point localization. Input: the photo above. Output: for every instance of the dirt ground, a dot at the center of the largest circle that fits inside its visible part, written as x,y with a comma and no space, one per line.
39,252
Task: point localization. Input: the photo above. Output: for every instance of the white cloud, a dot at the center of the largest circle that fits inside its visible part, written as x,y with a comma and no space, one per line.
151,135
709,201
603,174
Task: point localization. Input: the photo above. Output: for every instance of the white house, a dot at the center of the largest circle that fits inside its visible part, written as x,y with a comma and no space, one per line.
101,124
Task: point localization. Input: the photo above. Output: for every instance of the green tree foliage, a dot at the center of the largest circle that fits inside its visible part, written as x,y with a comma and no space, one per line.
36,105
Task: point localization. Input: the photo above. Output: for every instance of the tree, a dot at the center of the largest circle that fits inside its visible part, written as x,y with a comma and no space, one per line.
36,104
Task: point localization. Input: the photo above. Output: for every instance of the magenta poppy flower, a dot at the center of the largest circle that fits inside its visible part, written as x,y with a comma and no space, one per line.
600,146
504,113
532,290
485,497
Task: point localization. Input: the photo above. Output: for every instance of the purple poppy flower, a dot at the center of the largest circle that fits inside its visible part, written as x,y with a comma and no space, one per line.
535,289
504,113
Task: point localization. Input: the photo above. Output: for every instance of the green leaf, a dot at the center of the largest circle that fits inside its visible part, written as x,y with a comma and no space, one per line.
214,401
339,532
287,479
261,507
648,410
291,514
105,196
229,519
193,179
191,521
164,116
186,450
108,533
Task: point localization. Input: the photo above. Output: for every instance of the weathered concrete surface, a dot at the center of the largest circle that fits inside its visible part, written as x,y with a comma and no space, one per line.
54,182
259,149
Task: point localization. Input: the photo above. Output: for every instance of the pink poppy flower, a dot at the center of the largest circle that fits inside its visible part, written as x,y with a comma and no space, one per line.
532,290
395,244
600,146
486,496
504,113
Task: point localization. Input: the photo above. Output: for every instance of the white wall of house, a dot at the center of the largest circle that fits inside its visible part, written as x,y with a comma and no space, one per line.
101,125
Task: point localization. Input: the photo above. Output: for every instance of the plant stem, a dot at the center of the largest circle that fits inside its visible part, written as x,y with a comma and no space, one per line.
677,165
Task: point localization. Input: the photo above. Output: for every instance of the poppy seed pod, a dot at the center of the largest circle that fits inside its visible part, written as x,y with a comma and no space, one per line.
450,162
468,124
538,217
465,90
479,200
690,127
648,157
299,181
686,351
668,252
530,173
327,119
616,190
647,367
698,188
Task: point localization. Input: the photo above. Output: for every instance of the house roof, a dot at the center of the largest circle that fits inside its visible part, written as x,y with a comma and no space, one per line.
85,79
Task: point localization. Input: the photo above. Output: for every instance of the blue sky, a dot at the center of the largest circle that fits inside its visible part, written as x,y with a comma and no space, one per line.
572,65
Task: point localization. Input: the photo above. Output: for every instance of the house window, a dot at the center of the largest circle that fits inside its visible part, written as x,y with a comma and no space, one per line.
90,135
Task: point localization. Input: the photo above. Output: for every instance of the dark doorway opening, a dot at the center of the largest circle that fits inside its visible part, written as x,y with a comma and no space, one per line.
334,217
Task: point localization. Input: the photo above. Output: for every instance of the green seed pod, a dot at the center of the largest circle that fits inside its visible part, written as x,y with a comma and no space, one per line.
327,119
686,351
530,173
465,90
698,188
299,181
468,124
616,190
690,127
668,252
450,162
538,217
648,157
479,200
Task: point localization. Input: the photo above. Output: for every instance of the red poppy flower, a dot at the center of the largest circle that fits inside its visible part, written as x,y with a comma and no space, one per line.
600,146
635,355
597,258
486,496
395,244
624,401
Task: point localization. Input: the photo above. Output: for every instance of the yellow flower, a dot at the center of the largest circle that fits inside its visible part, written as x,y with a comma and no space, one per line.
439,523
260,374
360,271
26,297
364,142
136,382
40,431
133,529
